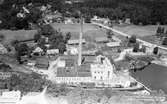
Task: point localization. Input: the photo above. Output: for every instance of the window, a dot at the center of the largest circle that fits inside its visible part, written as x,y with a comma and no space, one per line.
94,77
101,78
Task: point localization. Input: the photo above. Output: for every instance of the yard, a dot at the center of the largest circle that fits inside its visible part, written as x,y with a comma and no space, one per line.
19,35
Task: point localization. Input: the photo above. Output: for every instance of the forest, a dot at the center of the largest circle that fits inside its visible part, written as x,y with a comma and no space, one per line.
143,12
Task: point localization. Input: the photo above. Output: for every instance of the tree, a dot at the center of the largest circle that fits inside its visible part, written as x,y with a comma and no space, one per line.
37,37
109,34
47,30
143,49
164,42
155,50
23,49
14,43
107,92
132,39
2,37
62,47
158,32
136,47
68,36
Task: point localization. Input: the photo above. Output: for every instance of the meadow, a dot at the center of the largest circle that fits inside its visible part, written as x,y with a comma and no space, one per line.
90,31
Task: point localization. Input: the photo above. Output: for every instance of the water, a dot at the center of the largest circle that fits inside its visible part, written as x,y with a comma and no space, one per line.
154,76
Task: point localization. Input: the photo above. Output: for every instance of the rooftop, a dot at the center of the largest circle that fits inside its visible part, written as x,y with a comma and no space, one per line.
72,70
101,39
79,71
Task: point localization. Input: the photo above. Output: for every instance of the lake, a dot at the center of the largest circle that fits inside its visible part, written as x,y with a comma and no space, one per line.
154,76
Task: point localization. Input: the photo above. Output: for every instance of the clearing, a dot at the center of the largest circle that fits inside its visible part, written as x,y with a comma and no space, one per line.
17,35
90,31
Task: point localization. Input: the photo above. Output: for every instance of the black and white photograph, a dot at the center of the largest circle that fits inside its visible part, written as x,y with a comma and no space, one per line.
83,51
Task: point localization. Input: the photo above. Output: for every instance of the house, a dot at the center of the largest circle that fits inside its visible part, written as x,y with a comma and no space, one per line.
53,17
127,21
10,97
75,41
113,44
42,63
52,51
5,75
101,40
68,21
38,51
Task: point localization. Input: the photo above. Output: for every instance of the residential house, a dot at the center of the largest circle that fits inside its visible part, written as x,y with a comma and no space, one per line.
101,40
52,51
10,97
75,41
113,44
38,51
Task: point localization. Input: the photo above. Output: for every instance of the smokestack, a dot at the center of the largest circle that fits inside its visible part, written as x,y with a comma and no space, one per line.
80,42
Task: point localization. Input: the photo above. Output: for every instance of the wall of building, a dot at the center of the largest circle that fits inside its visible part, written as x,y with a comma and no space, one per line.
73,80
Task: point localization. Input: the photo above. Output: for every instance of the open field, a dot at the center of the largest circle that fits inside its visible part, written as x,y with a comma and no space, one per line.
19,35
89,30
139,31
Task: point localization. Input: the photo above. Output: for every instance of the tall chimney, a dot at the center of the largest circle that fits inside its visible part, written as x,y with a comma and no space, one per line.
80,42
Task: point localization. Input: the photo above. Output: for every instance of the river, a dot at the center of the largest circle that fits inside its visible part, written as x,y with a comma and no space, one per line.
154,76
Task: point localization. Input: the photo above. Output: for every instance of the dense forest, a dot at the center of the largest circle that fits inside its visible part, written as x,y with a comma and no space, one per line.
139,11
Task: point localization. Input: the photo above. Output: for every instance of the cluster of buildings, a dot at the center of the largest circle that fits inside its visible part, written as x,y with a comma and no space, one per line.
94,71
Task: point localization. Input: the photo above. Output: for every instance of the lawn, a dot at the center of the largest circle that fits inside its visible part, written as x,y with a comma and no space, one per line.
90,31
139,31
19,35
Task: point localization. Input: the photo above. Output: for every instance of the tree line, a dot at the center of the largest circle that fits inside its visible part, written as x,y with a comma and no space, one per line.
139,11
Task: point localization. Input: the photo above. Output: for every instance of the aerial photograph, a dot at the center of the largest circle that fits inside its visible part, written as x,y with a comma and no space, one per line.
83,51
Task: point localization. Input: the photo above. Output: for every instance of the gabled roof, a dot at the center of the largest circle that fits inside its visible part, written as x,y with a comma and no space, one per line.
38,50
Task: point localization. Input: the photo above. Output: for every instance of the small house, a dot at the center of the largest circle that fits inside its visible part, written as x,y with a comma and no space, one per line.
52,51
75,41
68,21
113,44
38,51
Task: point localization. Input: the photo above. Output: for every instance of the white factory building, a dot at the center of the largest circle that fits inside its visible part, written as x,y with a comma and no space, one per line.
99,71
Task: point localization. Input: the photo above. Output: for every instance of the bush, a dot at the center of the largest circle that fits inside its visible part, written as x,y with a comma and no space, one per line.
132,39
155,51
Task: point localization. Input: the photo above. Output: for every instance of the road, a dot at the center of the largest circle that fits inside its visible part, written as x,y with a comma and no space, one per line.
127,35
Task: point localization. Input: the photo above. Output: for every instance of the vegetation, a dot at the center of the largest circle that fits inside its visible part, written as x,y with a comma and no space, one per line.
139,11
155,51
26,82
132,39
136,47
109,34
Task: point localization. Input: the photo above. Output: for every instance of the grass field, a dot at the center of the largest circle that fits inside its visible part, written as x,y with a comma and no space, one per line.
90,31
139,31
19,35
